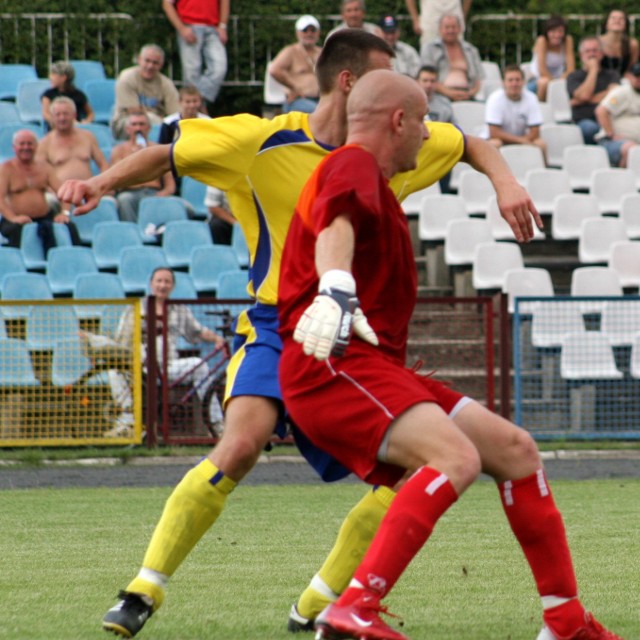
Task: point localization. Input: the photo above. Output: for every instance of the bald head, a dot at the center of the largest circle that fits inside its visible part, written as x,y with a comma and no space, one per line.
381,92
385,112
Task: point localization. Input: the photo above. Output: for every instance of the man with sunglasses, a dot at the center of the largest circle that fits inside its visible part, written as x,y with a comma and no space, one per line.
294,67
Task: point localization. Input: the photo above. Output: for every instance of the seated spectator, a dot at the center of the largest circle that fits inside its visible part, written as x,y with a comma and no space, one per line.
294,67
26,196
221,220
61,77
137,129
407,60
513,113
144,87
620,51
588,86
180,322
352,13
440,109
190,107
68,149
458,62
619,118
553,56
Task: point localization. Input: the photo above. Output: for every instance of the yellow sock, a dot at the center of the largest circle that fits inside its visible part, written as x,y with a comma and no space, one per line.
191,509
353,540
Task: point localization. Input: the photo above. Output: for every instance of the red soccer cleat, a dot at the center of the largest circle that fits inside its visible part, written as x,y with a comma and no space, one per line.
592,630
360,621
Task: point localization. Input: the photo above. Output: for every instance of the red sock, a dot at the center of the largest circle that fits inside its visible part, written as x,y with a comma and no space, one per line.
404,529
537,524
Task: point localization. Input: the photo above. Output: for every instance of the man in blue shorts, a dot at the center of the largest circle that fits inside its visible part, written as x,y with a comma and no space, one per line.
263,165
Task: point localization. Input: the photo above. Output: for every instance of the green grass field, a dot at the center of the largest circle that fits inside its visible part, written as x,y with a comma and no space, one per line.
65,553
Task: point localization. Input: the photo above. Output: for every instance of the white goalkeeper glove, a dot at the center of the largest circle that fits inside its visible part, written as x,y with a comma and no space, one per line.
326,326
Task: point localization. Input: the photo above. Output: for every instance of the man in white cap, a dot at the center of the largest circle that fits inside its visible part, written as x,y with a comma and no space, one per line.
294,67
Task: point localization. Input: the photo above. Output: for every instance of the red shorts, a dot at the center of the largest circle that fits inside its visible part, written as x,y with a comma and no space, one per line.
345,405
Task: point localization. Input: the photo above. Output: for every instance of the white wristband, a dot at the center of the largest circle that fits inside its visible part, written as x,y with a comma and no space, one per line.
338,279
222,25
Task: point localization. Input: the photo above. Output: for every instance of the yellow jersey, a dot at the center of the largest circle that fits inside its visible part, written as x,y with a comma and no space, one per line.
264,164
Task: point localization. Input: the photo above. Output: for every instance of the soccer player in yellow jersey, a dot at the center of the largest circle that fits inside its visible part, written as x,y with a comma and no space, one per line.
263,165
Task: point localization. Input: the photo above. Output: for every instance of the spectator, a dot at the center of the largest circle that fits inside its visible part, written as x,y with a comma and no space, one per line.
294,67
68,149
426,23
440,109
61,77
189,107
144,87
353,14
25,196
137,129
201,27
588,86
619,118
407,60
221,220
553,56
513,113
620,51
457,61
180,322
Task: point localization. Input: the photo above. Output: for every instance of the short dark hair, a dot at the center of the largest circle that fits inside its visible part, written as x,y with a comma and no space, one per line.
169,269
513,68
347,49
427,68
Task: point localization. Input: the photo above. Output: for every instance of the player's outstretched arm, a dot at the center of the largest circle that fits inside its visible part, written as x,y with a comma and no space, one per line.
143,166
326,326
516,207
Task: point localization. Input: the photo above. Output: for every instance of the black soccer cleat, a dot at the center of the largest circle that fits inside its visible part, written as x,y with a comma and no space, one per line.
298,623
127,617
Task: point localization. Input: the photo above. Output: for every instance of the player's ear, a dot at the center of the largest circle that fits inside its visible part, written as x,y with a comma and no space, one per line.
397,120
346,81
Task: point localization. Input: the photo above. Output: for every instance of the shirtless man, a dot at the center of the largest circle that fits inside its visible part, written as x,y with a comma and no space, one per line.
67,148
294,67
24,184
137,129
457,61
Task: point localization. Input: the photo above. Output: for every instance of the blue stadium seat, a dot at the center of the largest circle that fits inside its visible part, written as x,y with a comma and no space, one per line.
8,111
23,286
3,328
194,192
11,75
232,285
207,263
31,244
86,70
63,266
46,324
157,211
69,362
106,211
102,134
180,237
17,370
102,97
28,99
11,262
96,286
136,266
110,238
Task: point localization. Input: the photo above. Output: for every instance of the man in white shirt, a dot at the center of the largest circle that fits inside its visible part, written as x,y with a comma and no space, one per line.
513,113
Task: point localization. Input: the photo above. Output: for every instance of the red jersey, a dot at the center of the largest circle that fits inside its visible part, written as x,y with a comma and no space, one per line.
199,11
349,181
